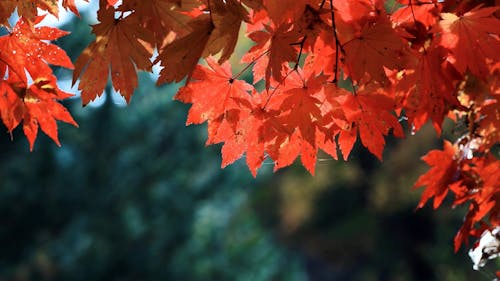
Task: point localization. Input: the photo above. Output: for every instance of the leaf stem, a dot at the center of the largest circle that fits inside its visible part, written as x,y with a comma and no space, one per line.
322,4
275,89
250,64
210,9
337,44
415,21
300,52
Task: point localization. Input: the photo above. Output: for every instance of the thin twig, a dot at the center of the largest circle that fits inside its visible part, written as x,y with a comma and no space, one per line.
338,47
300,52
322,3
210,9
275,89
415,21
250,64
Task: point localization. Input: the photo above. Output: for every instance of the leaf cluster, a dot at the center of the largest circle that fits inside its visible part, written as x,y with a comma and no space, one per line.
419,61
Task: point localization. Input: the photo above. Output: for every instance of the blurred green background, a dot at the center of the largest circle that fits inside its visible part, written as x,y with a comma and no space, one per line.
133,194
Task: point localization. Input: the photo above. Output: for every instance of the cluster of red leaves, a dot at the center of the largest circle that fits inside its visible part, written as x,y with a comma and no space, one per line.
414,60
28,89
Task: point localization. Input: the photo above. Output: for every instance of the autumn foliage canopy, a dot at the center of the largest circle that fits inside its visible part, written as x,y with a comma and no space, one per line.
325,74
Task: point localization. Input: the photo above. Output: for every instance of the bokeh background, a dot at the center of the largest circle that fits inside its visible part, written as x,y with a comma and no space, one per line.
134,195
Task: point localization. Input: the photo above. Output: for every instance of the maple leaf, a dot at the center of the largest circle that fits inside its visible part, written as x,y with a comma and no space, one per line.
24,58
116,49
300,114
371,48
70,5
280,11
259,132
473,38
254,4
227,16
425,12
179,58
334,122
211,92
444,172
359,12
35,105
300,107
161,16
464,232
370,112
216,97
311,25
25,49
277,46
245,134
481,186
292,120
321,59
211,34
426,89
488,170
483,98
111,2
27,9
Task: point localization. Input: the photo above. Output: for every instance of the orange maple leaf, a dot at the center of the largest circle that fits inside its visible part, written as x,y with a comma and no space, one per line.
179,58
25,49
70,5
210,34
27,9
117,48
35,105
161,16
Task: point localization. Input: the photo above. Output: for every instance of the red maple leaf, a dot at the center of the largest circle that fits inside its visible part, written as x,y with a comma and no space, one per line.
371,113
35,105
276,45
300,116
444,172
426,88
26,49
370,48
29,93
248,134
479,185
425,12
473,38
211,92
70,5
215,96
321,59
